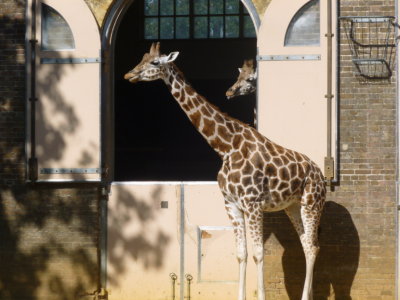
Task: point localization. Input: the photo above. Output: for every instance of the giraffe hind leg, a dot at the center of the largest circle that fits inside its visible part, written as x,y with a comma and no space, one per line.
306,222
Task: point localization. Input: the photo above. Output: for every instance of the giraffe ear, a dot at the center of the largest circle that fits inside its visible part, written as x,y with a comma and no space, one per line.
240,70
171,57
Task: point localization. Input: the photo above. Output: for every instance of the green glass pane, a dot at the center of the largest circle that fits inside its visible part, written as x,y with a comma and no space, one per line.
166,28
216,27
182,7
216,7
200,7
56,33
231,6
151,28
248,30
150,7
232,26
182,27
166,7
200,27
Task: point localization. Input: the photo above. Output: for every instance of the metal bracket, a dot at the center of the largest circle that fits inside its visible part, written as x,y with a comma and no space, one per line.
288,57
33,168
329,168
71,170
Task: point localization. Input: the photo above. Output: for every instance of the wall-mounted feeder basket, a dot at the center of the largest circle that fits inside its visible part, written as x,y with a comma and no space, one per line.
372,42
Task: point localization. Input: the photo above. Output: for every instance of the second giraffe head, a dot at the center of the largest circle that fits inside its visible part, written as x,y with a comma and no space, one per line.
246,82
152,66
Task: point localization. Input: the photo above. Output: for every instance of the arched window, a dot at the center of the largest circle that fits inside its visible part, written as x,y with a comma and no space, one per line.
200,19
303,29
56,33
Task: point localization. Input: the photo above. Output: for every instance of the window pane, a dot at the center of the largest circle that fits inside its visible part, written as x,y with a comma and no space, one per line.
200,7
303,29
182,27
200,27
56,34
167,28
248,28
232,6
216,7
216,27
182,7
150,7
232,27
151,28
167,7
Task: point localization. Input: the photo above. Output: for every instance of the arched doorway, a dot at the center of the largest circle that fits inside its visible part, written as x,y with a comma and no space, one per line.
149,210
154,140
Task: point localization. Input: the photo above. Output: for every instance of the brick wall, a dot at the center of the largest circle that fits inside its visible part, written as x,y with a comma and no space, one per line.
368,165
48,233
358,230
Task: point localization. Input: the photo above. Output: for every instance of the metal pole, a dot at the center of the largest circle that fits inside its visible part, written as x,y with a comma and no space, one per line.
329,159
182,241
33,172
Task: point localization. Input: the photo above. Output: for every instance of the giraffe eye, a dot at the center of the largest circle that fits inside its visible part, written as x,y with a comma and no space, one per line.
155,62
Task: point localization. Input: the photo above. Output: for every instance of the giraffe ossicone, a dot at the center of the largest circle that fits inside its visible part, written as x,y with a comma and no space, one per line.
257,174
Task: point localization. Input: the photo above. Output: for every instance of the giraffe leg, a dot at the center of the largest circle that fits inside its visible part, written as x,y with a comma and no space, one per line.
238,222
255,222
306,224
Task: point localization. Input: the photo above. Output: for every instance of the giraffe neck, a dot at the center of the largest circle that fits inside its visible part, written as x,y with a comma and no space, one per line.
218,129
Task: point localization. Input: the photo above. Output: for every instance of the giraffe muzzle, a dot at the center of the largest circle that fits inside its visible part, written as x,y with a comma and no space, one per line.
133,78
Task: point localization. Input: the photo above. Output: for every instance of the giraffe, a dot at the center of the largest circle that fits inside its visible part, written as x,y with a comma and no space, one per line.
257,175
246,82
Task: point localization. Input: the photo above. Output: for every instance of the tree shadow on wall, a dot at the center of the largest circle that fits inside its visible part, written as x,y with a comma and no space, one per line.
48,242
337,261
48,232
134,232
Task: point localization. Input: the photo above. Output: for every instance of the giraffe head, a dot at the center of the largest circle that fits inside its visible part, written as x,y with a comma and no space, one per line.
246,82
152,66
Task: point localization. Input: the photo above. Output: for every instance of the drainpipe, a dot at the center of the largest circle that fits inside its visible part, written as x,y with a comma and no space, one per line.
397,292
329,161
32,162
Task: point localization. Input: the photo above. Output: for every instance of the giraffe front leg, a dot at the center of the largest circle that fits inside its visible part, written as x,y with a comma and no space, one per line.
310,245
255,223
237,218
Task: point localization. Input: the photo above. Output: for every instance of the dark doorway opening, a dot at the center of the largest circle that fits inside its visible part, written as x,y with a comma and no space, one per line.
154,140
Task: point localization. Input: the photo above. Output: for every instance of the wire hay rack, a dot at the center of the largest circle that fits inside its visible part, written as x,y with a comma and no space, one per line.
372,43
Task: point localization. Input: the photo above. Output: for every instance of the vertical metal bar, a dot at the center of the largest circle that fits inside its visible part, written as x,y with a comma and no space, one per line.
329,77
103,236
396,32
33,170
189,279
182,240
256,116
329,96
337,86
173,281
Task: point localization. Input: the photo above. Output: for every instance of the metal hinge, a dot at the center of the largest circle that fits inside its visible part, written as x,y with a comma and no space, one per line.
72,60
33,168
289,57
71,170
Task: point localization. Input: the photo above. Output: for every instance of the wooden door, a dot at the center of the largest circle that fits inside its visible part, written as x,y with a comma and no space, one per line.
292,66
66,122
